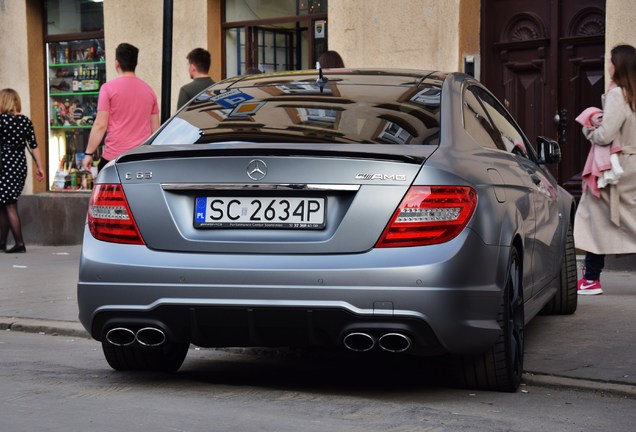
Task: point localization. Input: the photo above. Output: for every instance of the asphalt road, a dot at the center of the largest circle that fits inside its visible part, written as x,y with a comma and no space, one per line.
592,349
58,383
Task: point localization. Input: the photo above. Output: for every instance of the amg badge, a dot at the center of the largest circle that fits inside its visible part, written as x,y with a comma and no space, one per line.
388,177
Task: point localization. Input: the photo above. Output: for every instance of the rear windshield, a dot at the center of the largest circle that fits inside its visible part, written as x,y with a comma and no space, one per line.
303,111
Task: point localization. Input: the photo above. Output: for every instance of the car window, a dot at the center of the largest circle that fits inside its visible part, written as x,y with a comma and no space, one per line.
511,138
301,111
477,123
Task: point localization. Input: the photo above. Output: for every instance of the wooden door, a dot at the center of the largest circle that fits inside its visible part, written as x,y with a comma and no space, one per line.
545,60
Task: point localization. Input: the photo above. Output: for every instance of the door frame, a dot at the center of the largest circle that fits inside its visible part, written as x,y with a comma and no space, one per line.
250,27
560,40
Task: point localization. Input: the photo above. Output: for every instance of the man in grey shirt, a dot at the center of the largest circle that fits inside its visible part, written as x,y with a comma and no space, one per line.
198,67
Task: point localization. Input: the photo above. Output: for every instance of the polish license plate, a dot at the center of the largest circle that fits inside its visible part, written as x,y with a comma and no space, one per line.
259,212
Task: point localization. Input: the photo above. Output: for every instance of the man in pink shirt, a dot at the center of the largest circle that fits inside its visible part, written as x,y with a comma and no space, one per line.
127,109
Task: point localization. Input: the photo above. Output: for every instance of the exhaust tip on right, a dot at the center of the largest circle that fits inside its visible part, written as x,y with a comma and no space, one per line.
151,337
395,342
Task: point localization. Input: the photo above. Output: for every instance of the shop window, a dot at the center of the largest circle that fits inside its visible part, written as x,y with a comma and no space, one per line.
273,35
76,69
74,16
251,10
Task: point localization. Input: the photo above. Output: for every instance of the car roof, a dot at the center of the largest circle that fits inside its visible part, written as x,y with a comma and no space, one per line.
348,105
344,76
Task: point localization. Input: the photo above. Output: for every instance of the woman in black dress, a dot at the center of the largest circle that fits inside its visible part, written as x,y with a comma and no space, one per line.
16,131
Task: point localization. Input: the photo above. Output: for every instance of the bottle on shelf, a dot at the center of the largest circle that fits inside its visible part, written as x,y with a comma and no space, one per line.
86,81
74,178
53,58
75,80
95,79
60,175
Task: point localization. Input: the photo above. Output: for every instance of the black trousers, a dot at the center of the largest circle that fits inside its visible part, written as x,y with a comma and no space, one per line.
593,266
102,163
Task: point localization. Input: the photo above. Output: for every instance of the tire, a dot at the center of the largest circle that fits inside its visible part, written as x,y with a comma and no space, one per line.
167,358
565,301
500,368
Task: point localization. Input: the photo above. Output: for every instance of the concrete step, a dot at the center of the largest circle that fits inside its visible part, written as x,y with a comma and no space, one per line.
620,262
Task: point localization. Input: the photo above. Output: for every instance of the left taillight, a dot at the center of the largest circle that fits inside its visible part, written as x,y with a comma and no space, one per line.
429,215
109,217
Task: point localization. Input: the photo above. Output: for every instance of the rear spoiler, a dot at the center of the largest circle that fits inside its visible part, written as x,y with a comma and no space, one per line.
415,154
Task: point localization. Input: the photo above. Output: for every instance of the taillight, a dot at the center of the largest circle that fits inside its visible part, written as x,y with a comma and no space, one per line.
109,217
429,215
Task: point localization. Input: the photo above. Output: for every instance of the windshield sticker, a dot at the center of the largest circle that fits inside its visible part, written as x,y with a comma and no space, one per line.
232,98
246,109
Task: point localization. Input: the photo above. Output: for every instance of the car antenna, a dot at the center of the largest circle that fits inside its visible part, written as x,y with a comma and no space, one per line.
322,80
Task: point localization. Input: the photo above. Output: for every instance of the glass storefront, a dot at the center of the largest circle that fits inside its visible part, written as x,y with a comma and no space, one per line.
249,10
76,69
273,35
74,16
270,35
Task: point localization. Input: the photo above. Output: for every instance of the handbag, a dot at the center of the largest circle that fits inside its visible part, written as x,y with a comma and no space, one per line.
30,151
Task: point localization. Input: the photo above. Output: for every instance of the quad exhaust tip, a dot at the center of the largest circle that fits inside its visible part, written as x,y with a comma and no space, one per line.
147,336
359,342
395,342
150,337
391,342
120,336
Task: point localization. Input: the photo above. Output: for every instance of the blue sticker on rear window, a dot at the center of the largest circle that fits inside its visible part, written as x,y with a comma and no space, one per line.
231,98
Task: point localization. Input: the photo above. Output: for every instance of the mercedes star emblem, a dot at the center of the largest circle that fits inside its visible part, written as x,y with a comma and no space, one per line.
256,170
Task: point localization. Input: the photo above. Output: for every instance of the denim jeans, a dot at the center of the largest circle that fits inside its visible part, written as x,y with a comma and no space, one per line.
593,266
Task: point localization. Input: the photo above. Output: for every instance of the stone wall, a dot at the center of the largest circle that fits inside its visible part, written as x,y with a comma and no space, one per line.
14,58
416,34
140,23
53,219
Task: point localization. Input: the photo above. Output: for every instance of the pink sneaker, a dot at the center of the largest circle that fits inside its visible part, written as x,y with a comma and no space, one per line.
589,287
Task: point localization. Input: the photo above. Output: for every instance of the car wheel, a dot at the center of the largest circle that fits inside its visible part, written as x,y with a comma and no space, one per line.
167,358
565,300
500,367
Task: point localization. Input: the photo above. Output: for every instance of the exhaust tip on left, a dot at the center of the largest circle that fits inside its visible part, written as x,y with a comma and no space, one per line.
120,336
360,342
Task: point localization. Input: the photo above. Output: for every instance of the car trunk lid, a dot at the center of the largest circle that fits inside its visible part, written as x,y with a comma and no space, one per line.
267,198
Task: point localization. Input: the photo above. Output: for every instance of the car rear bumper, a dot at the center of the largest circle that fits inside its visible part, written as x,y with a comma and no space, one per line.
443,298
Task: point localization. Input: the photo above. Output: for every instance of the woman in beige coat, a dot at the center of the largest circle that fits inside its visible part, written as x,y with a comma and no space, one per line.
607,224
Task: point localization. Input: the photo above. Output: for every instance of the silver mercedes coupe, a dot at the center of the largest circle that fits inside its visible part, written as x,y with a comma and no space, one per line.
366,210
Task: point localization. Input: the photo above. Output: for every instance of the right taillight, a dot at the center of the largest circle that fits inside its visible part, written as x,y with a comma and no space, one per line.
429,215
109,217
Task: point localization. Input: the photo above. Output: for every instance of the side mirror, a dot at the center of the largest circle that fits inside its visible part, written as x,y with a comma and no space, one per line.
548,150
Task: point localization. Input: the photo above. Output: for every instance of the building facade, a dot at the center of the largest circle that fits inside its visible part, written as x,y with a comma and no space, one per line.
526,52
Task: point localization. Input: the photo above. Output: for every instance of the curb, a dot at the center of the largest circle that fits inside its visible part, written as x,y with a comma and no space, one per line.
75,329
53,328
627,391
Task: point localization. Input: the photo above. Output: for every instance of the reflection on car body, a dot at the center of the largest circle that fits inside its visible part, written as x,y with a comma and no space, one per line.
362,210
